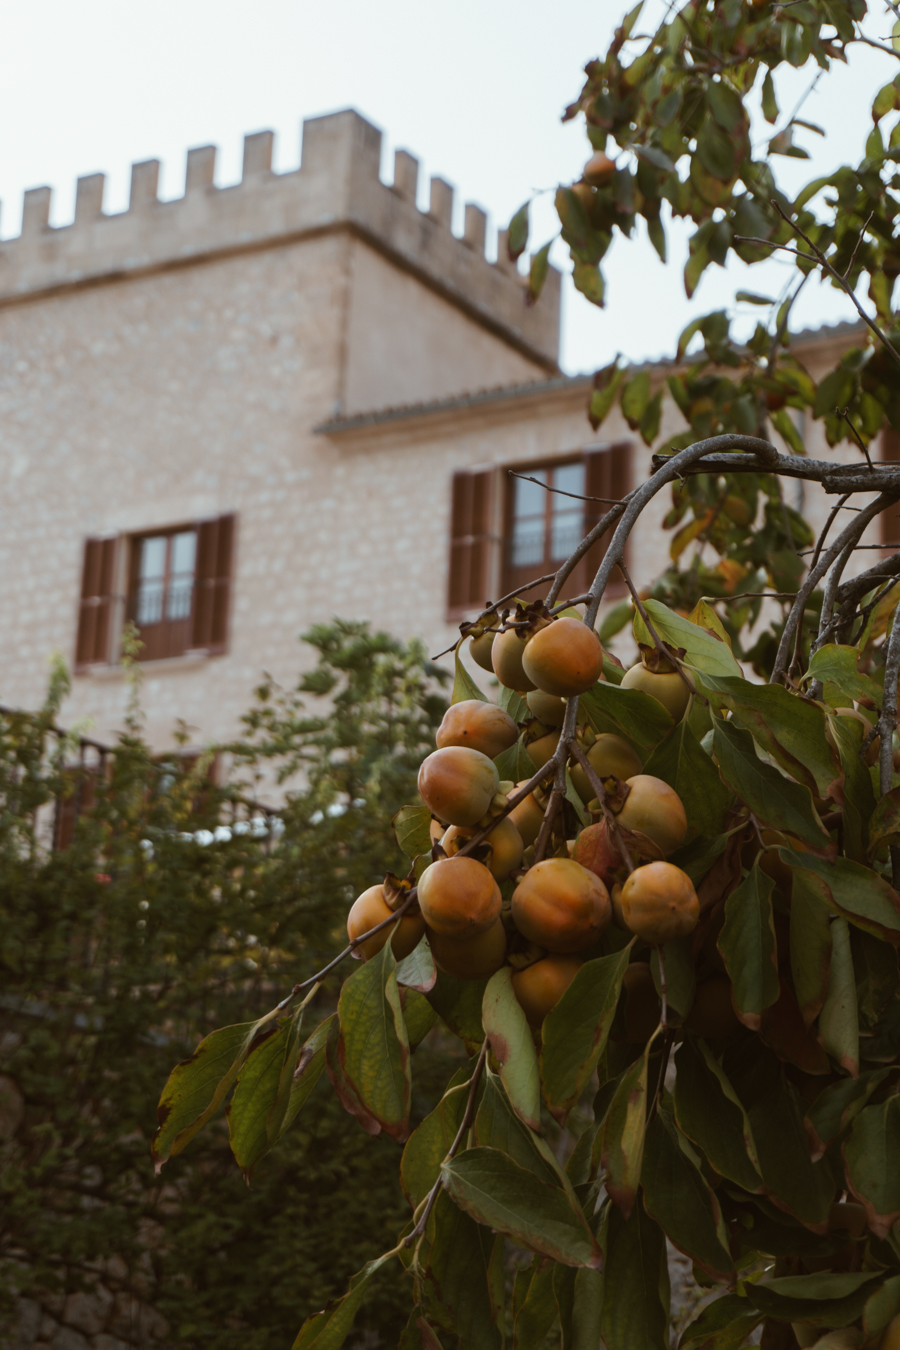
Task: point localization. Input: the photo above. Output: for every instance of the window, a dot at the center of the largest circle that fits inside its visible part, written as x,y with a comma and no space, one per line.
538,528
890,519
543,526
163,591
174,584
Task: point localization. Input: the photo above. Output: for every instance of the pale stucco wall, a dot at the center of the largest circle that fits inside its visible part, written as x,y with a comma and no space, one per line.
164,399
177,395
405,344
180,395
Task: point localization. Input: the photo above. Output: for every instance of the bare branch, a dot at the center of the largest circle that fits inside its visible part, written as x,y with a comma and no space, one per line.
663,988
852,531
767,457
750,595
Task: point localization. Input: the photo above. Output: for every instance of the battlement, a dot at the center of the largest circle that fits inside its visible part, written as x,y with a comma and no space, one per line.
336,187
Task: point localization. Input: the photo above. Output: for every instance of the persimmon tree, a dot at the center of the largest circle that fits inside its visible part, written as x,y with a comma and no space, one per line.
659,908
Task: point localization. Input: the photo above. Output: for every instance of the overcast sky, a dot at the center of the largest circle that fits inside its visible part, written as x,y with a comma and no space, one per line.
473,88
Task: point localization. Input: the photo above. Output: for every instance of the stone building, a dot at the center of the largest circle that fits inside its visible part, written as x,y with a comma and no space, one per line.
234,414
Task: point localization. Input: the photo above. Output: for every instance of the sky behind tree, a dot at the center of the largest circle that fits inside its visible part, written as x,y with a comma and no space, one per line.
473,88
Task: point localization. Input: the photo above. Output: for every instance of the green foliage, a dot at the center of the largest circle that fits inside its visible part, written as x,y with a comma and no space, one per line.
773,1164
777,1113
122,952
670,109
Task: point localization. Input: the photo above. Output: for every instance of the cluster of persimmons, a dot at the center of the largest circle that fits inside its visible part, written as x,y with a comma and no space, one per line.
558,906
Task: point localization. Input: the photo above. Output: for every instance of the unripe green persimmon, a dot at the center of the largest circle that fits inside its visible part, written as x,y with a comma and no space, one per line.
506,659
543,749
480,648
656,810
527,816
549,709
667,687
609,756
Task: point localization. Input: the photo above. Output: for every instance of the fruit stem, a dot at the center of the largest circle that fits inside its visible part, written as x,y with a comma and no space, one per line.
512,802
351,947
597,785
553,805
665,651
464,1124
663,988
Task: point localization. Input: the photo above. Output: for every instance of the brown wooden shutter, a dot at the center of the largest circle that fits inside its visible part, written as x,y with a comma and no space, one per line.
470,540
96,608
890,454
607,474
212,584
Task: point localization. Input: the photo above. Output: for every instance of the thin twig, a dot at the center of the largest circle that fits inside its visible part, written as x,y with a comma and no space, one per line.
351,947
843,622
491,608
750,595
513,801
597,784
894,543
852,531
785,319
575,600
663,988
663,648
832,272
879,46
844,414
550,812
451,1152
765,453
833,578
579,497
848,269
832,516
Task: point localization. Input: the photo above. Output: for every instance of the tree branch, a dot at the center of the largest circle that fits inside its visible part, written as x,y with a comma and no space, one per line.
852,531
464,1124
887,723
351,947
596,783
767,457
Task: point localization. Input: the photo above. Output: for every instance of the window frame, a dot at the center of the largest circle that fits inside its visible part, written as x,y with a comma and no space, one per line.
508,578
583,572
135,543
213,575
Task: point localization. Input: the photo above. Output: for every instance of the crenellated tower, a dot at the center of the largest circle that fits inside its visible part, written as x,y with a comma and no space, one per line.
336,188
